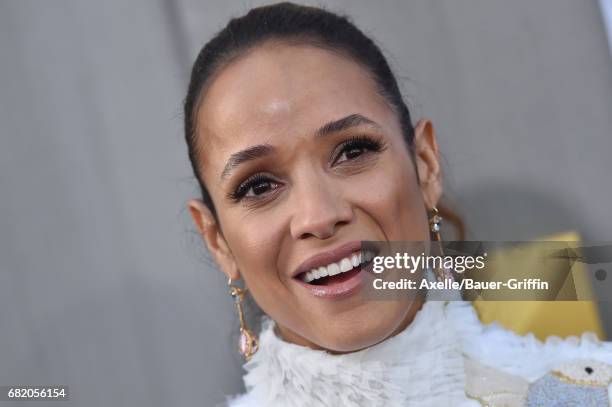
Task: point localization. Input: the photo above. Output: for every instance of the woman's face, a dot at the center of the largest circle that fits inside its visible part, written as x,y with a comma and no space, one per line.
303,156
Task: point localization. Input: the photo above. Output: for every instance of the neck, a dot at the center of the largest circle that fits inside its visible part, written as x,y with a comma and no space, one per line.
419,363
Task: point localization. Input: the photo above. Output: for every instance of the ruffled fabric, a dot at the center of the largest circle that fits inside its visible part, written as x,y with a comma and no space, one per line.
525,355
421,366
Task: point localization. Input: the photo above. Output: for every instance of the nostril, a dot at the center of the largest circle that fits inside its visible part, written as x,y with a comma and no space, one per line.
318,219
321,235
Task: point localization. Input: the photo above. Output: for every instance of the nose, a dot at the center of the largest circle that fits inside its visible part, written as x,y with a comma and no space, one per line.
320,209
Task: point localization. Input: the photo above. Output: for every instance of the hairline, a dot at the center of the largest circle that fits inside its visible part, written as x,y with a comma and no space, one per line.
309,39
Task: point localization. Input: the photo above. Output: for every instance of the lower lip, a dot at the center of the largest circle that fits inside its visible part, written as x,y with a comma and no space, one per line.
337,290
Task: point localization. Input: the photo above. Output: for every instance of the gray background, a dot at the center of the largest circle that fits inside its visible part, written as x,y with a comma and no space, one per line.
104,285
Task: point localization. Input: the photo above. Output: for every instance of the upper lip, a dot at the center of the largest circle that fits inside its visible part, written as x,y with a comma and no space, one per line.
327,257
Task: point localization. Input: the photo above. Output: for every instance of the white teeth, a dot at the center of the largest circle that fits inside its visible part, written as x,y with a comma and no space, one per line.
333,269
309,277
344,265
356,259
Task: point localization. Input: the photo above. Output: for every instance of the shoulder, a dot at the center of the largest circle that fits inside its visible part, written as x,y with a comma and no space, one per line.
524,355
242,400
502,367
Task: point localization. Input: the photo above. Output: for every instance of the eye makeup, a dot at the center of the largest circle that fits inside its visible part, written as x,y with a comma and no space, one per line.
261,185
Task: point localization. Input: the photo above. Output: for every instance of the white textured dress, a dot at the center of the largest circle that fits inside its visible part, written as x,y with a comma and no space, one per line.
445,357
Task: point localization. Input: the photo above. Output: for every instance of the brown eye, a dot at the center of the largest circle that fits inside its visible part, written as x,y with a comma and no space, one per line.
259,188
349,154
254,187
355,147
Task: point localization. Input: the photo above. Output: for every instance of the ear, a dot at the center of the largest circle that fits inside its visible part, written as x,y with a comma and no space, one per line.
210,231
427,159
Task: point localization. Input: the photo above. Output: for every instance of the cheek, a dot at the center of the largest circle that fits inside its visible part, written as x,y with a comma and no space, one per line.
394,199
255,243
254,248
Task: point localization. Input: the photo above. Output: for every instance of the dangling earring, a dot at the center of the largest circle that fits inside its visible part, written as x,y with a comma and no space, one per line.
248,343
435,224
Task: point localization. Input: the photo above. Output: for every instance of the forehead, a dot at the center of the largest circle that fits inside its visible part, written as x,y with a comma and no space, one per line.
277,93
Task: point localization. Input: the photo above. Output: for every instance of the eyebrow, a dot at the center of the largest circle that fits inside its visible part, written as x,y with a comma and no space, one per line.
262,150
243,156
345,123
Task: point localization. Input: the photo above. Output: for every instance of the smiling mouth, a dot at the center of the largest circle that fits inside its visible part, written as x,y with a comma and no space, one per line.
337,272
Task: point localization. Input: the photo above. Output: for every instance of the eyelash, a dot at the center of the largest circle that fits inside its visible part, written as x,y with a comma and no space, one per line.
247,184
362,142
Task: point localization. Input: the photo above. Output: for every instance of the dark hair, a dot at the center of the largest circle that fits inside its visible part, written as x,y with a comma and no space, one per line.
294,24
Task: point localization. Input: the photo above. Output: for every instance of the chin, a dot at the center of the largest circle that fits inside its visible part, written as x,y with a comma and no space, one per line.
364,328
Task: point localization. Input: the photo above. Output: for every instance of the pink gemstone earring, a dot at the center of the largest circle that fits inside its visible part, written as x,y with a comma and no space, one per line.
248,343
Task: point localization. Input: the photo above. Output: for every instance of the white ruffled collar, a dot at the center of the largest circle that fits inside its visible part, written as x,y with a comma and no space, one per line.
423,365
